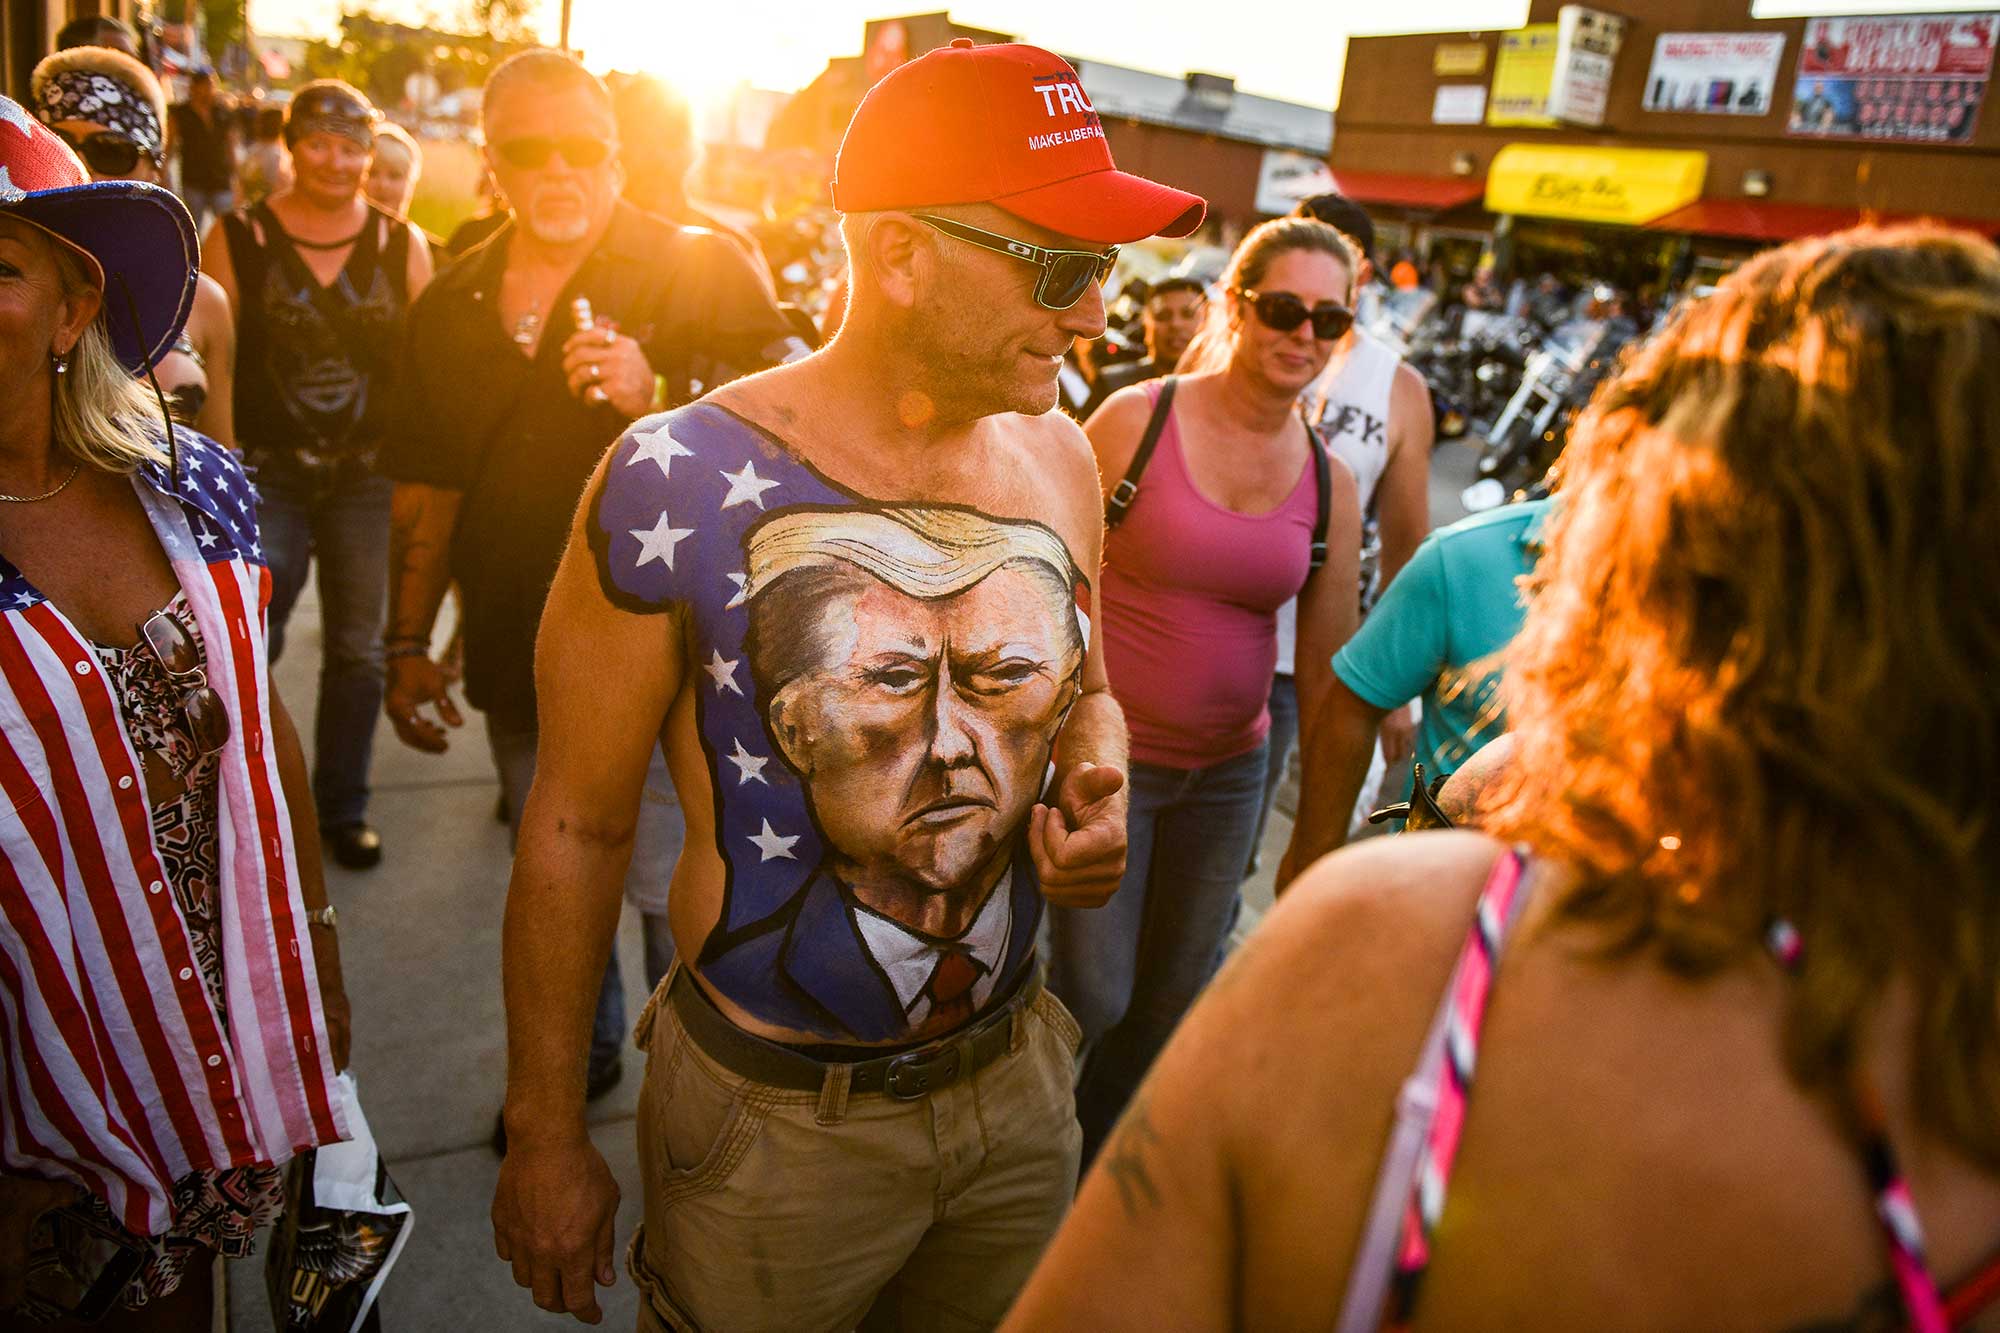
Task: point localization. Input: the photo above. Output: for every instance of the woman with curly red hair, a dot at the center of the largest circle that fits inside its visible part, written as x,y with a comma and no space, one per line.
1707,1033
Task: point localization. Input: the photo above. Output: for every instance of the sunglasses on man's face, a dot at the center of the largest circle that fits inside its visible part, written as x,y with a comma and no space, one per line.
532,152
1066,274
107,152
201,706
1281,312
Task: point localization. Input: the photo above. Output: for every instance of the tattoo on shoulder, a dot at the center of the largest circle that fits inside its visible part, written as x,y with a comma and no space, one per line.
1125,1159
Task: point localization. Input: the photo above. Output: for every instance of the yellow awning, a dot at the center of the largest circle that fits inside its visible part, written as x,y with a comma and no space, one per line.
1623,185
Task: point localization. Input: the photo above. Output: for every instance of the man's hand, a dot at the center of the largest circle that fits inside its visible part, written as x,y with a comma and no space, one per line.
23,1200
603,366
1399,735
1079,843
413,683
553,1216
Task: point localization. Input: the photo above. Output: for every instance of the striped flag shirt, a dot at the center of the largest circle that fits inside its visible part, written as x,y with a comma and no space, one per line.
117,1074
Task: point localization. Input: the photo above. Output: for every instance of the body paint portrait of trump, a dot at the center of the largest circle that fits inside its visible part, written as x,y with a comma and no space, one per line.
913,666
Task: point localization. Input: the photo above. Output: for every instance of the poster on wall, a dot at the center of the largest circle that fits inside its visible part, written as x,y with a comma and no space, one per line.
1285,177
1522,73
1714,73
1587,42
1458,104
1459,58
1910,79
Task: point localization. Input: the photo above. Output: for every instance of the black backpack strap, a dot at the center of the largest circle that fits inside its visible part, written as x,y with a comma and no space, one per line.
1122,495
1323,482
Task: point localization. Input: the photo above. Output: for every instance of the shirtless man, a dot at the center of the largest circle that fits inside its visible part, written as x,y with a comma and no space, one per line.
854,596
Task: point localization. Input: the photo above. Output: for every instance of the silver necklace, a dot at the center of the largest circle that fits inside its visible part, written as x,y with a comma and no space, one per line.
74,468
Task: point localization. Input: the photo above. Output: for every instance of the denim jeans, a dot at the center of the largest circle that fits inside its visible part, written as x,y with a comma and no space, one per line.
204,204
1130,969
347,527
656,847
1278,754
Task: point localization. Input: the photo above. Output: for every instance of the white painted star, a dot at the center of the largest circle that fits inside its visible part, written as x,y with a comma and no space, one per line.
742,582
13,113
773,846
746,487
206,538
658,544
256,551
194,461
724,673
658,446
28,598
749,768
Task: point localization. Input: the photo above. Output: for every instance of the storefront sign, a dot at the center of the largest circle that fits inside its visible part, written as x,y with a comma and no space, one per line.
1459,104
1284,178
1714,73
1587,42
1459,58
1522,73
1622,185
1912,79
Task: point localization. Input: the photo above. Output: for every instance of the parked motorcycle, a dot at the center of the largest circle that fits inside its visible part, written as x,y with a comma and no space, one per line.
1530,431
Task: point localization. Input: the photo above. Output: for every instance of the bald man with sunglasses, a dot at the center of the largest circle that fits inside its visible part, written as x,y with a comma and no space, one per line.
856,596
526,357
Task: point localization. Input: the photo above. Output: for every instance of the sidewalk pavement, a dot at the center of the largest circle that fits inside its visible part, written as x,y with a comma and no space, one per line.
420,942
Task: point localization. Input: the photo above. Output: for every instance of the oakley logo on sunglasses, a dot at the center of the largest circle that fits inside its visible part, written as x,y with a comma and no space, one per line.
1066,274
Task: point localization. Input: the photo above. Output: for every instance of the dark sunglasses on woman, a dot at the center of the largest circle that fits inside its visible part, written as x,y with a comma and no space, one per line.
109,153
531,152
1281,312
201,706
1066,274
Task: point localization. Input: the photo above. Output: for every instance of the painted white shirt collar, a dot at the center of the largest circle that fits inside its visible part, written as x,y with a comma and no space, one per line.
909,959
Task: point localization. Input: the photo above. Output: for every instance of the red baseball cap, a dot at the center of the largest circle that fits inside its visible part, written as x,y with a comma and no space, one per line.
1003,125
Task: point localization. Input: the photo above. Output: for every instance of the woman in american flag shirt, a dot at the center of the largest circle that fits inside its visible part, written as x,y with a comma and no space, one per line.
171,1012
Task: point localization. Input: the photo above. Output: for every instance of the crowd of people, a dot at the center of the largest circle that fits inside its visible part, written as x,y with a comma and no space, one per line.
932,734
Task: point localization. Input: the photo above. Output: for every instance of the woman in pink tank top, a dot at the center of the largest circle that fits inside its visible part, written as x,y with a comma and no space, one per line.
1218,537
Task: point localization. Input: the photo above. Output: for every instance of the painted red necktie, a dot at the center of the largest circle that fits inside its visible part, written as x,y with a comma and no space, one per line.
950,989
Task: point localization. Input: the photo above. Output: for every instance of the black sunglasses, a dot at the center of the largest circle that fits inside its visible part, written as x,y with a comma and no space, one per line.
1282,312
109,153
1066,274
201,706
532,152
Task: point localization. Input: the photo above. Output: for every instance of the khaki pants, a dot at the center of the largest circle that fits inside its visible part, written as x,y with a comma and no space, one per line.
796,1211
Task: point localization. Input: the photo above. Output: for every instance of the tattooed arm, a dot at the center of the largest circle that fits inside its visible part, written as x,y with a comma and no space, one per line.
421,520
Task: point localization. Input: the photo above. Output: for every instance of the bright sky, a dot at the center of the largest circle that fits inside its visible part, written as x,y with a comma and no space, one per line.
1283,48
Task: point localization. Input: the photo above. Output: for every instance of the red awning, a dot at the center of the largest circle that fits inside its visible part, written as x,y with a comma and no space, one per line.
1764,220
1404,190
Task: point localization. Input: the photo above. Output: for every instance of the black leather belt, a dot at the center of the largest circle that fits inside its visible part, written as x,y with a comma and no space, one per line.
905,1076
